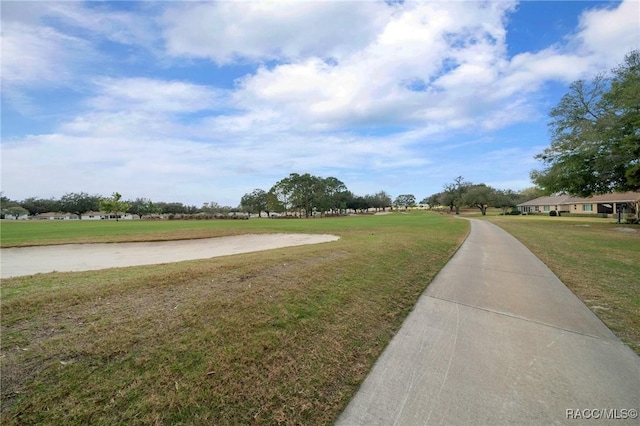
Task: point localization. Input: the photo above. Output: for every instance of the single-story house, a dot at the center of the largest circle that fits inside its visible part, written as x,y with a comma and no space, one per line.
104,216
626,202
11,217
546,204
56,216
86,216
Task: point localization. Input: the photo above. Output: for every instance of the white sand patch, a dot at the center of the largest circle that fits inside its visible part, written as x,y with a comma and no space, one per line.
625,230
21,261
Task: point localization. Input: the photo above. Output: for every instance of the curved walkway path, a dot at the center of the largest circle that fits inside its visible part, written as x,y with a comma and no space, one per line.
20,261
498,339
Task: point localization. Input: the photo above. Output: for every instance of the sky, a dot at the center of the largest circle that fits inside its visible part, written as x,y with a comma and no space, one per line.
198,102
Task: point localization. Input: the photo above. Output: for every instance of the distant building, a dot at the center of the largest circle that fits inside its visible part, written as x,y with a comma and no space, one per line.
56,216
627,202
11,217
85,216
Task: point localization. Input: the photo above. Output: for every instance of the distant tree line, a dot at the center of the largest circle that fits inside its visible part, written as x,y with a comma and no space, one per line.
79,203
306,195
461,193
300,195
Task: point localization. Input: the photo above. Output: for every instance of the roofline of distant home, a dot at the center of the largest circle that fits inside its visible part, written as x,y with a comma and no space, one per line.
625,197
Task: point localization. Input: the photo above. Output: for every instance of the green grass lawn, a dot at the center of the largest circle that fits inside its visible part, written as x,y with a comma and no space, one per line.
29,233
282,336
597,259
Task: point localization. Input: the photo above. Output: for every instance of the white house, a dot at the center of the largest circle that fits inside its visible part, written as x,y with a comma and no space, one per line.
85,216
56,216
11,217
106,216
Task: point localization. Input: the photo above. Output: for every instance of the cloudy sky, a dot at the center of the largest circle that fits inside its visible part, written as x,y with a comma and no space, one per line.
206,101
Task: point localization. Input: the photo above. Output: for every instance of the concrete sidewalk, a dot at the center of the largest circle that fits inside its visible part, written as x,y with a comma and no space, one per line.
498,339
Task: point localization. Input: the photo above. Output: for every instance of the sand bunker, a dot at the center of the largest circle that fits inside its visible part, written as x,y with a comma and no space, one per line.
88,257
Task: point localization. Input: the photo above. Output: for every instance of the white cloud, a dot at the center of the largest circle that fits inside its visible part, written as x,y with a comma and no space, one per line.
364,90
259,31
600,42
38,55
96,21
55,45
45,42
609,34
144,94
449,51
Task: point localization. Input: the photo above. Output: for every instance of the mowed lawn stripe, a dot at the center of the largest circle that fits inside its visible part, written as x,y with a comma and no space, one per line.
36,233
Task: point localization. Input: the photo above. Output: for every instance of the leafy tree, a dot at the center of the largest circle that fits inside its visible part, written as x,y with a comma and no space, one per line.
379,200
333,196
595,131
433,200
15,211
213,207
506,199
306,190
114,205
405,200
5,201
297,191
273,202
143,207
480,196
255,202
358,203
530,194
342,200
280,195
623,99
171,208
39,205
79,203
322,200
453,193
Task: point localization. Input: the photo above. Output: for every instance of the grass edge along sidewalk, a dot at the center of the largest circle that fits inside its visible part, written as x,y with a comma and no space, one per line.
598,260
284,336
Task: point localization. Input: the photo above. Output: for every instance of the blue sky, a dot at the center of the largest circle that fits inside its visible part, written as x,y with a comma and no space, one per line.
205,101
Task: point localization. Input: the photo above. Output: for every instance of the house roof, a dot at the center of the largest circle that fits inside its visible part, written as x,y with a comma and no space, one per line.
54,214
549,201
615,197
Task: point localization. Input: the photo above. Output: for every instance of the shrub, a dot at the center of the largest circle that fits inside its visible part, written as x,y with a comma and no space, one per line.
553,213
590,215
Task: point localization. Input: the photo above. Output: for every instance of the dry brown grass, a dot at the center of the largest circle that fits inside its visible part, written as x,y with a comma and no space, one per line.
278,337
